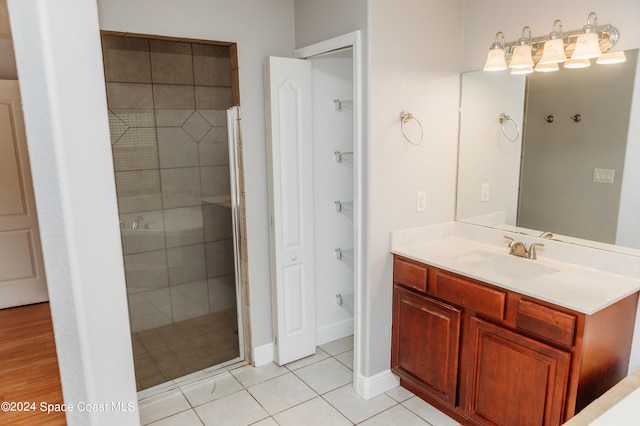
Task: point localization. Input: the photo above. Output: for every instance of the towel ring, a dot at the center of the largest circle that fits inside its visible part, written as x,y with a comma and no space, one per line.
405,117
502,118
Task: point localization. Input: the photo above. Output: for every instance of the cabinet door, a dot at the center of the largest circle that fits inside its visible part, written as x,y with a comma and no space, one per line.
426,341
514,380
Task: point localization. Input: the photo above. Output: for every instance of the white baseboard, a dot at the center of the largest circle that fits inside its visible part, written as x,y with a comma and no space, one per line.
263,355
369,387
334,331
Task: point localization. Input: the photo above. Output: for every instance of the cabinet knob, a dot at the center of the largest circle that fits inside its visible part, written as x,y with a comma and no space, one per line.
294,257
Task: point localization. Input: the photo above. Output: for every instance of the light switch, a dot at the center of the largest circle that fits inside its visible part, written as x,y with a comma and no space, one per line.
421,201
485,192
603,175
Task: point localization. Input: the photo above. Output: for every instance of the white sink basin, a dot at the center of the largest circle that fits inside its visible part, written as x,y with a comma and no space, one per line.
504,264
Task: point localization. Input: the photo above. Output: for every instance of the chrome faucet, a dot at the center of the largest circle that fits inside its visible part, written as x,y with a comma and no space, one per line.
547,235
517,248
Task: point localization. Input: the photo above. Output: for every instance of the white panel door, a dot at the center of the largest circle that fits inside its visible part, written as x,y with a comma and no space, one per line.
22,279
289,153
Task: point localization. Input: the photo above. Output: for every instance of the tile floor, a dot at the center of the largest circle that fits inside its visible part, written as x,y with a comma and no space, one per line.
316,390
176,350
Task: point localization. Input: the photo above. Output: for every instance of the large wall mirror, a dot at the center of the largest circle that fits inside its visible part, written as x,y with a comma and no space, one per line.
556,152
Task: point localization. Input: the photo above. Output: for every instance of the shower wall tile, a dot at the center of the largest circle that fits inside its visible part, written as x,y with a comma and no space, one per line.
172,117
148,236
213,97
196,126
184,226
135,117
129,95
219,258
138,191
171,62
217,222
136,149
222,293
117,127
214,148
176,148
126,59
215,117
180,187
186,264
171,96
215,181
146,271
190,300
212,66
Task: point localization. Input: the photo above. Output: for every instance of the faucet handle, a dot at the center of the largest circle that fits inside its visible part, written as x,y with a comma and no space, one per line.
532,250
511,240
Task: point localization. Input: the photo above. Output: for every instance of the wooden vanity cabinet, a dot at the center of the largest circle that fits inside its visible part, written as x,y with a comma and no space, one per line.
490,356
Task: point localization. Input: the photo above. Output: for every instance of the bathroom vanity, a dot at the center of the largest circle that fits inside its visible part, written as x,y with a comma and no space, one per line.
492,339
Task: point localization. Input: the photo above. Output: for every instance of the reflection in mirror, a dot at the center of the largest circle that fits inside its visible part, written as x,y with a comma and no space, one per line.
567,161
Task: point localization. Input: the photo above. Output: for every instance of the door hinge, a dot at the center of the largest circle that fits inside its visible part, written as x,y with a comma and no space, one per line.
275,340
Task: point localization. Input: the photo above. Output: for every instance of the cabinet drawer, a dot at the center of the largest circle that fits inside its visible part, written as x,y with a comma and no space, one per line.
546,322
481,299
410,274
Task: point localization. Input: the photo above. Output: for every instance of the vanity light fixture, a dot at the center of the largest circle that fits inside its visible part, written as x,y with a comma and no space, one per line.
495,58
522,53
611,58
587,46
553,52
545,53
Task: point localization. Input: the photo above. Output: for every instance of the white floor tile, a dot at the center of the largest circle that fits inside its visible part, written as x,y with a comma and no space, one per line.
396,416
236,409
281,393
186,418
325,375
356,408
338,346
318,356
266,422
316,412
211,388
346,358
400,394
429,413
249,376
161,406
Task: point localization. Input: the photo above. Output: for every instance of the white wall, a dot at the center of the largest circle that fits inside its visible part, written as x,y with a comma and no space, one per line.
414,65
260,29
62,83
484,18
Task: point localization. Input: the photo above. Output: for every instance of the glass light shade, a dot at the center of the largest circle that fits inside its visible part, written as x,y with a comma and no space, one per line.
546,67
495,60
577,63
553,52
611,58
521,57
586,47
523,70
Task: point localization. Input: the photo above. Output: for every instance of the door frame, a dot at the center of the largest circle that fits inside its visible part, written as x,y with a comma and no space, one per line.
352,40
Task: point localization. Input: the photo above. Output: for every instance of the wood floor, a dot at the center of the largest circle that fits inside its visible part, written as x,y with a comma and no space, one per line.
29,366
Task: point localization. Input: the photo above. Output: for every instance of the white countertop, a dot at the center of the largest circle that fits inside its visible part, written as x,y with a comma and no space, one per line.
570,285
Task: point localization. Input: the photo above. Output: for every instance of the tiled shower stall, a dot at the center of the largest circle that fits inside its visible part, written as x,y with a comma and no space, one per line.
167,105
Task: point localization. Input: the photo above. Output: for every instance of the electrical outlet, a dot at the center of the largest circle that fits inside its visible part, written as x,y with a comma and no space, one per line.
485,192
603,175
421,201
